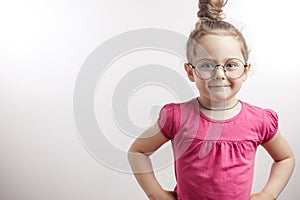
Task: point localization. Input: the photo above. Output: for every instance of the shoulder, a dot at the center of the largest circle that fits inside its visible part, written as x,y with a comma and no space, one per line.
171,114
173,107
253,110
265,120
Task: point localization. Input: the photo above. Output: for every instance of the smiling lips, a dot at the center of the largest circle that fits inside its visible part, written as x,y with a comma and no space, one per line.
218,86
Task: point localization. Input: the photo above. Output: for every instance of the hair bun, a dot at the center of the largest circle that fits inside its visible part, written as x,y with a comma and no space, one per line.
211,9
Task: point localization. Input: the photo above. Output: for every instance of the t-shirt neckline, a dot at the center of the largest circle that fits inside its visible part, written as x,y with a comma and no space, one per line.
198,110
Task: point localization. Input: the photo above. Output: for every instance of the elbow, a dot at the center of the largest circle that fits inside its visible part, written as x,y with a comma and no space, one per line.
131,151
293,161
289,162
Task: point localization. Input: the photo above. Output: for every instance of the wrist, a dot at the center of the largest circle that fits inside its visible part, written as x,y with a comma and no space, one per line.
163,194
269,195
155,194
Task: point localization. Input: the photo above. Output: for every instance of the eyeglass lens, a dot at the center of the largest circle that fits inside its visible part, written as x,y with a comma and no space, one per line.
206,68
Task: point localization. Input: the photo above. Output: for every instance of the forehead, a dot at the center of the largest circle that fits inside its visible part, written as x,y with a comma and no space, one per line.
218,47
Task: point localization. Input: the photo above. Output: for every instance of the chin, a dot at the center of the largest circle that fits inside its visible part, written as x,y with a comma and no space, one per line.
221,98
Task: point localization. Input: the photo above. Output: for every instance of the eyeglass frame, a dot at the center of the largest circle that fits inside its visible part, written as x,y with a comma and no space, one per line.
219,65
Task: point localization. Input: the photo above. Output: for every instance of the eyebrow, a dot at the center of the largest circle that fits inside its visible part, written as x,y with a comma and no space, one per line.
225,59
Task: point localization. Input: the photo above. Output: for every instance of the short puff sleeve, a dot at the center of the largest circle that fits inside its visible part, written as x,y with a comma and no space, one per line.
167,120
270,125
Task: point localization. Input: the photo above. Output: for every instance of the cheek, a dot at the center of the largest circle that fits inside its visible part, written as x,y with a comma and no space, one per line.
202,86
236,85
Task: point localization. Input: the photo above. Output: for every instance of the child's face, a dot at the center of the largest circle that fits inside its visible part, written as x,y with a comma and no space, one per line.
219,87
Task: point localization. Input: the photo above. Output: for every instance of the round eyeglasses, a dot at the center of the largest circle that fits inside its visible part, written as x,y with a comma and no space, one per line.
205,68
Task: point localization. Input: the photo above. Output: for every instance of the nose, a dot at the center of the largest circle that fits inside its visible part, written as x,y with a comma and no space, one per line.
219,72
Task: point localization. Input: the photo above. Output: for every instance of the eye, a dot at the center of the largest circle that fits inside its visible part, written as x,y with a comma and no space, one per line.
234,64
206,65
230,66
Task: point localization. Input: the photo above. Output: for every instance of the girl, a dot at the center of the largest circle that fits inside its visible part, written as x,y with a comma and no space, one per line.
214,136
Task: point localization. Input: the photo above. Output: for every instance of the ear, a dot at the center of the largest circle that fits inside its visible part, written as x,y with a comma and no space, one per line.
247,72
189,72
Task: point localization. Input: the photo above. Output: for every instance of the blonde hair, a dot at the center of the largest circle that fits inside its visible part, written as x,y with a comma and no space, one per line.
211,21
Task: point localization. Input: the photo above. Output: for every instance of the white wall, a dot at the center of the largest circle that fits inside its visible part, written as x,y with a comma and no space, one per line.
43,46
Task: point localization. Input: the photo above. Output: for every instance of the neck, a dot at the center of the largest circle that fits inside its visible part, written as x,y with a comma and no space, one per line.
217,106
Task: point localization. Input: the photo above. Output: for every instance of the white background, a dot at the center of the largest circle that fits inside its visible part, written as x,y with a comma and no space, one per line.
43,45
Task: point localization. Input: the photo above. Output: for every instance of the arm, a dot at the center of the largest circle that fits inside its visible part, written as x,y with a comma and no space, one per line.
281,171
138,156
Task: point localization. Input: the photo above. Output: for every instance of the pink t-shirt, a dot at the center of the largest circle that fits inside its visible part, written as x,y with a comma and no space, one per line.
214,159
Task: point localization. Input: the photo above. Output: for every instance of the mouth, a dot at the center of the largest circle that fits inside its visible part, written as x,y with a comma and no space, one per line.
219,86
